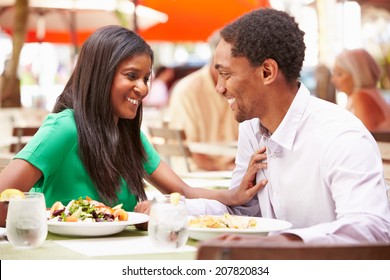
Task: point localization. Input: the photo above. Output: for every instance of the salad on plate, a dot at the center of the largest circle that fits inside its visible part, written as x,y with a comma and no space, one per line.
86,210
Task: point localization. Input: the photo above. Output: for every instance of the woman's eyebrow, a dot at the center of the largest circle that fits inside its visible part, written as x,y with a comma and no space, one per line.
219,67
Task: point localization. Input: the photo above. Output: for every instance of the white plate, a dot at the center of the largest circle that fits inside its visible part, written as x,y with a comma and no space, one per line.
263,227
95,229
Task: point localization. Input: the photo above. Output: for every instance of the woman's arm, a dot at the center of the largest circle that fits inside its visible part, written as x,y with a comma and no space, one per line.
167,181
19,174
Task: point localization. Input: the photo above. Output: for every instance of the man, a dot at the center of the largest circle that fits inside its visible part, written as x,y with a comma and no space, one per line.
323,167
203,114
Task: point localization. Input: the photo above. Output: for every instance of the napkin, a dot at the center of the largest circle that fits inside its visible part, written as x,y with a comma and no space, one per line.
113,246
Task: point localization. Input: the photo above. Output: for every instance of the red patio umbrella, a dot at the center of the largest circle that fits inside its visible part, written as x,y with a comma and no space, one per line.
195,20
72,21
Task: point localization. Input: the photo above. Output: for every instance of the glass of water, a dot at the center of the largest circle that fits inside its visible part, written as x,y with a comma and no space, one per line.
168,226
26,223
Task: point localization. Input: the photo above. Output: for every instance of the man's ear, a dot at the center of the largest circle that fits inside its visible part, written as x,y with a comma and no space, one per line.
270,70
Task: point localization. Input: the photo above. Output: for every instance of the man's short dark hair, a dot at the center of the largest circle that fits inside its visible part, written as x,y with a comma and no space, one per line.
268,33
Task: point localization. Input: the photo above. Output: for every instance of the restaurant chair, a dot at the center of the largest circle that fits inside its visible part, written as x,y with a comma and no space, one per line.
3,164
5,159
171,143
21,134
220,250
381,136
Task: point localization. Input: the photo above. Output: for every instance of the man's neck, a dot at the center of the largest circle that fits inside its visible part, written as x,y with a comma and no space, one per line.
283,97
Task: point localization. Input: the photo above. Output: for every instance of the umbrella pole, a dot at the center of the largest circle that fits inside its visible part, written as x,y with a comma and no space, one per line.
73,34
135,23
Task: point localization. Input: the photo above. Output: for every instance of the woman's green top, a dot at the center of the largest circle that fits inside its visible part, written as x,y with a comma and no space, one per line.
54,150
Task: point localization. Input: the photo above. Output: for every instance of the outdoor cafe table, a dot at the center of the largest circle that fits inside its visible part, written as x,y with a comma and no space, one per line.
128,244
53,250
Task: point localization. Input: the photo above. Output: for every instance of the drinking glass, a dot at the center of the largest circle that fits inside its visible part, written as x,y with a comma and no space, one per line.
26,223
168,226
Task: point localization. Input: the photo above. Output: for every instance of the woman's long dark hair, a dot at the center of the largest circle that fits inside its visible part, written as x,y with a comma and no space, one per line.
109,151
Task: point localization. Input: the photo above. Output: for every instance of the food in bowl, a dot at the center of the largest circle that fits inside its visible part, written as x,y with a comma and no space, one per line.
87,210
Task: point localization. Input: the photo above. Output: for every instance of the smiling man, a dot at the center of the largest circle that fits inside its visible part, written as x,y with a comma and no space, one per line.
323,167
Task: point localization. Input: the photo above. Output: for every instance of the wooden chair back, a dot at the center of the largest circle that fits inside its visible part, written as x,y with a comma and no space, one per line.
21,133
2,167
381,136
217,250
170,143
4,161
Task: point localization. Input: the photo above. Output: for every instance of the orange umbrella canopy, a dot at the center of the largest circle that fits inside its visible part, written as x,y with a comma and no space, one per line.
195,20
72,21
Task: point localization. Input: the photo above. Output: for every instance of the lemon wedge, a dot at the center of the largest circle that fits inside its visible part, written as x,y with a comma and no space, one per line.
175,198
8,193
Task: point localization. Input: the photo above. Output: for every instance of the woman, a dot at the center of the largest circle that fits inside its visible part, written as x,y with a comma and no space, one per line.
356,73
91,145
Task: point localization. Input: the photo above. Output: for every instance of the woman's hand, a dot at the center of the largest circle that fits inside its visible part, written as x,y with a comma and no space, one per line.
18,174
249,187
143,207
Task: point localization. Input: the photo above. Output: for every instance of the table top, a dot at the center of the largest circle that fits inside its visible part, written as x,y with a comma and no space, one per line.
128,244
61,247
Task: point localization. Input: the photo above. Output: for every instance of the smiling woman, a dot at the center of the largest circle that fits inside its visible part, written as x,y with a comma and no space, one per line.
98,110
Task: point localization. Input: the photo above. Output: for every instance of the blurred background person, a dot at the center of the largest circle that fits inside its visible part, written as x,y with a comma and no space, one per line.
356,73
324,87
203,114
158,96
